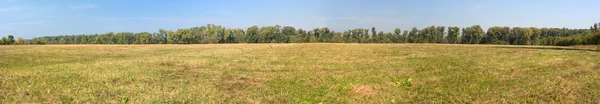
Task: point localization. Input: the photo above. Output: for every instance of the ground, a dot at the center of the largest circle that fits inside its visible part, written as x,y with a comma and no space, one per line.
298,73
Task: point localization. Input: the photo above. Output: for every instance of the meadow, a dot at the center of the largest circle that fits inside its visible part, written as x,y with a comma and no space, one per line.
298,73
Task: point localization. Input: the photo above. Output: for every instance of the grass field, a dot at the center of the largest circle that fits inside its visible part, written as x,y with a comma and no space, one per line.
297,73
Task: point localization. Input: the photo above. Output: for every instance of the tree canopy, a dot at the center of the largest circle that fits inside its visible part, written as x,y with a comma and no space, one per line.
217,34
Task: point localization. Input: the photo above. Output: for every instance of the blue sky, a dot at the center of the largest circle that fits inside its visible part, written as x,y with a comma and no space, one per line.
34,18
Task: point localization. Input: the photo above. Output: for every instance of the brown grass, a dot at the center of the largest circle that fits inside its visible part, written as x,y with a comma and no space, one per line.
298,73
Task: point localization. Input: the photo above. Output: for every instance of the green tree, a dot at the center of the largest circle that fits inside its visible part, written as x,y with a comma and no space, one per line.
398,34
337,37
302,34
472,35
374,35
365,36
311,37
11,39
596,31
412,36
453,35
385,37
83,39
439,34
4,41
214,33
405,35
288,32
186,36
266,33
144,38
427,35
252,34
535,36
173,37
161,37
63,41
521,36
495,35
239,35
324,34
347,36
356,35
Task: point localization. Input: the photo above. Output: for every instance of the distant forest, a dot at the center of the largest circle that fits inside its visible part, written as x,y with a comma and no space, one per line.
216,34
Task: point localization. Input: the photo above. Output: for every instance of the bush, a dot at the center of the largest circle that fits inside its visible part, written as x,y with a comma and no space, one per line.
578,40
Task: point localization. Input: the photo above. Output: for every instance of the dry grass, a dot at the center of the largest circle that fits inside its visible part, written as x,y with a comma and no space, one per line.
298,73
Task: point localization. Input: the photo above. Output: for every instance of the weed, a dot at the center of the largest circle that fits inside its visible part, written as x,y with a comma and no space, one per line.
404,83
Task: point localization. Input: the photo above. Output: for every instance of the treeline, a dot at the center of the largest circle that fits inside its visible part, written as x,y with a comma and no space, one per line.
215,34
11,40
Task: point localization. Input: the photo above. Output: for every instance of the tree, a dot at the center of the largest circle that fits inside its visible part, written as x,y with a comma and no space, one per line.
173,37
347,37
301,37
427,35
20,41
288,32
374,36
337,37
266,34
521,36
355,35
215,34
11,39
365,36
596,31
4,41
398,34
439,34
324,34
228,36
535,36
186,36
311,37
144,38
405,35
83,39
453,35
160,37
239,35
496,35
412,36
252,34
63,41
385,37
472,35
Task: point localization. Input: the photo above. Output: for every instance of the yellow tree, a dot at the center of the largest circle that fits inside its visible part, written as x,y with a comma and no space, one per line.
20,40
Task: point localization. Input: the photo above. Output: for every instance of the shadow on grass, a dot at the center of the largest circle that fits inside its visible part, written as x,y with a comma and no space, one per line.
548,48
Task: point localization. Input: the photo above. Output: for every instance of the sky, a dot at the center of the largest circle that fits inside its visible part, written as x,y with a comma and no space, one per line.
36,18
